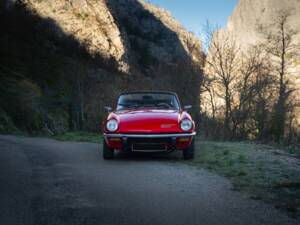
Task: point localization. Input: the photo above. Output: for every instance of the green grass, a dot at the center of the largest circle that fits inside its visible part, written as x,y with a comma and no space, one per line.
79,136
264,172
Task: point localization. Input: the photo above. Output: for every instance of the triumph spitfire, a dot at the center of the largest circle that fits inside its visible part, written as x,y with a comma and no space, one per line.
148,122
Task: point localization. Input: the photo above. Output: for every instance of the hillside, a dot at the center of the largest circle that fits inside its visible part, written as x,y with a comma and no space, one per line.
62,61
122,30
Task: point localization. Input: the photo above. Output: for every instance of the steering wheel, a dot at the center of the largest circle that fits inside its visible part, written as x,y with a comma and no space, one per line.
163,104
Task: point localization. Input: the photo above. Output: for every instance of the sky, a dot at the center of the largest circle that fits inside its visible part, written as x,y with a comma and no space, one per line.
193,14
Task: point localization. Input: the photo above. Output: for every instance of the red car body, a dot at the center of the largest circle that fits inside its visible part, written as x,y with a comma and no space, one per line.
149,129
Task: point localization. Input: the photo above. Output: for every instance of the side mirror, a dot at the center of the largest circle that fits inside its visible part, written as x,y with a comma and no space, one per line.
108,109
187,107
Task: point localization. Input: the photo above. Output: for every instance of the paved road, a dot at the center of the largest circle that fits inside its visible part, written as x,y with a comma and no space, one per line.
46,182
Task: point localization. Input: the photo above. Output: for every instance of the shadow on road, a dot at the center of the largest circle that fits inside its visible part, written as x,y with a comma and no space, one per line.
134,156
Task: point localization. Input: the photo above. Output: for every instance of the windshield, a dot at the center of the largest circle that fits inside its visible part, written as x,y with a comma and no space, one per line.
148,100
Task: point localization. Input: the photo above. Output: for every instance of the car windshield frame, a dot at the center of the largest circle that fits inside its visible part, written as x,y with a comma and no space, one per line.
146,100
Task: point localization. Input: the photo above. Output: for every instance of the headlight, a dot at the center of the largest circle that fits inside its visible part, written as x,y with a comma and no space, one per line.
186,125
112,125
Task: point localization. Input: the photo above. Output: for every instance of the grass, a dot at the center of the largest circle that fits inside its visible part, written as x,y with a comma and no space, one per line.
264,172
79,136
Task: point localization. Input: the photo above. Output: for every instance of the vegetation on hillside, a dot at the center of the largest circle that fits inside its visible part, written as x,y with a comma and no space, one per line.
249,94
50,81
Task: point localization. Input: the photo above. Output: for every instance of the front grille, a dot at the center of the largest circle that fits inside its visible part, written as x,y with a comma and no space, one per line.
150,140
148,147
149,144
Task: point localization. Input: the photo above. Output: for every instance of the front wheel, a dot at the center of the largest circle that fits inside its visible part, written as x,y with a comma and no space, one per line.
108,153
189,152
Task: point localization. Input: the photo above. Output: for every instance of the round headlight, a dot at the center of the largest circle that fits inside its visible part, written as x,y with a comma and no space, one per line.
112,125
186,125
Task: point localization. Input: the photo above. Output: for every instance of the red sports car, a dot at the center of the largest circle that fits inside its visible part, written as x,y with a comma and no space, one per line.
148,122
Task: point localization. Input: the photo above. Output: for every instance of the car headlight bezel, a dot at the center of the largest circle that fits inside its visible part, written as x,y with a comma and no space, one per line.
112,125
186,124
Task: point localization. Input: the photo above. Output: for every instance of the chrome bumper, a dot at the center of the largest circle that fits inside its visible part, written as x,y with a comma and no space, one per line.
149,135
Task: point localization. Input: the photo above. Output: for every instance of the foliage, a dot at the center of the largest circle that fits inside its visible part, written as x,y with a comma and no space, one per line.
6,124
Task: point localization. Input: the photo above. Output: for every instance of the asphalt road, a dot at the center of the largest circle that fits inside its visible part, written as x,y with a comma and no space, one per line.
47,182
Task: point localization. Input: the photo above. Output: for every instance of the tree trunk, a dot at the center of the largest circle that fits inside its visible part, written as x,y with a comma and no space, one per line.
71,117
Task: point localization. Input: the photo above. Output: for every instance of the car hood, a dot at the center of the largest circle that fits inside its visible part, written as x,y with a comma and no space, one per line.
149,121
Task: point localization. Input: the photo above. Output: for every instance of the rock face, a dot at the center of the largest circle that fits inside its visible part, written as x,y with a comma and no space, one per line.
133,33
188,40
248,14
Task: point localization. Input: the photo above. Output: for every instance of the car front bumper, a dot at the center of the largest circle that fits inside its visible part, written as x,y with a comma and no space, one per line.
149,142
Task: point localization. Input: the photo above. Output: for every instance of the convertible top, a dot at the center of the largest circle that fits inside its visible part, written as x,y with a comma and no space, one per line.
148,92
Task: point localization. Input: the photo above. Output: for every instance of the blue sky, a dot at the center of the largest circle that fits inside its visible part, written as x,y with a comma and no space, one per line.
192,14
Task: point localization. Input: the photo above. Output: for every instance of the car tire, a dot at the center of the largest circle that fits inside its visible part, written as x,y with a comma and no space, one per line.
188,153
108,153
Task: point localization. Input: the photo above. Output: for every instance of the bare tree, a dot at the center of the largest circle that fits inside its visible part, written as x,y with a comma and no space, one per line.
282,49
208,88
222,67
79,82
251,87
253,84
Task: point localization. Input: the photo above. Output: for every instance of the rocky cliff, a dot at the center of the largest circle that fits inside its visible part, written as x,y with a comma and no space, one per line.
130,32
249,14
61,61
